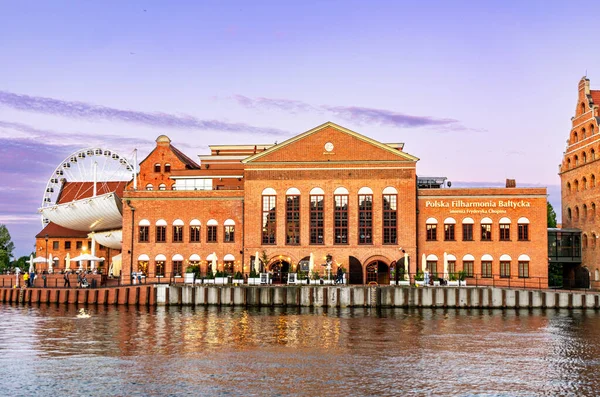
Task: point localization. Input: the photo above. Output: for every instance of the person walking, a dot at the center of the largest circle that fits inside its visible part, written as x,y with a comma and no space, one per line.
44,278
67,281
26,279
79,279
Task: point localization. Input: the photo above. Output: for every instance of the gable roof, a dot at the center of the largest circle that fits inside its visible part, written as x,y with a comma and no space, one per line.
54,230
363,138
595,97
189,163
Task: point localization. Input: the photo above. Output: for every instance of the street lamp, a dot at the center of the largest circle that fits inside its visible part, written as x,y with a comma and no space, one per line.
46,237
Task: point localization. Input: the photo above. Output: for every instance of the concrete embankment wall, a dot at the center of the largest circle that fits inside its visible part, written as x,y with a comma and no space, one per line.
382,296
305,296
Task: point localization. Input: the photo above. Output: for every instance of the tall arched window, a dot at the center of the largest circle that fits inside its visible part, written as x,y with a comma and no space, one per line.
269,216
161,231
568,187
157,167
317,215
593,238
178,231
229,236
340,214
569,214
568,163
431,229
584,240
292,216
582,108
144,231
365,216
584,183
504,229
576,158
576,213
584,208
211,231
390,215
593,181
576,185
584,157
593,212
583,133
591,129
575,136
449,229
592,155
486,229
195,231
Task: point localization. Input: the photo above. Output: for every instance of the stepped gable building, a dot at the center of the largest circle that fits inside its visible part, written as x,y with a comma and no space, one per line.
327,192
579,173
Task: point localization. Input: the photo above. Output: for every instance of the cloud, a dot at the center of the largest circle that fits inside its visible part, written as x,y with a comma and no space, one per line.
356,114
87,111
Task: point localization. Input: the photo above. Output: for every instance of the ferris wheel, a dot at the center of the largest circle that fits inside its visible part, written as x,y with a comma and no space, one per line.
81,166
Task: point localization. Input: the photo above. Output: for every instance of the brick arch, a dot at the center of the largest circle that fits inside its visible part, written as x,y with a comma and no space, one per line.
284,255
574,137
583,133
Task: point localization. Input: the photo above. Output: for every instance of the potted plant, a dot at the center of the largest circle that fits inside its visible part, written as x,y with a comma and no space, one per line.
254,277
221,278
315,278
209,279
419,278
452,280
461,278
192,273
238,278
264,275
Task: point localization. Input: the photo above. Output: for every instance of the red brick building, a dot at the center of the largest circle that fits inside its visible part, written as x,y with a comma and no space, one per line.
328,191
579,186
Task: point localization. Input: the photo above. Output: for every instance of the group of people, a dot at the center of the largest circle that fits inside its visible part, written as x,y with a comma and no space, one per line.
29,278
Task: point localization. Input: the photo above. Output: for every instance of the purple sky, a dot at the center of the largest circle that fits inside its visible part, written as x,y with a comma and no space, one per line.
480,91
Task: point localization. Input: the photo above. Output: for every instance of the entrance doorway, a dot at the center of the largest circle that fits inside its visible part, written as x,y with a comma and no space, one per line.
379,272
356,271
280,270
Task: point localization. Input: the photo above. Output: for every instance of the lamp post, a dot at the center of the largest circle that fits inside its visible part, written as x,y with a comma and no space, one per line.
46,237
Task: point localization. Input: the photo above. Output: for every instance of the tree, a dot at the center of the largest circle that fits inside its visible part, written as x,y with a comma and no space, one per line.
6,247
551,215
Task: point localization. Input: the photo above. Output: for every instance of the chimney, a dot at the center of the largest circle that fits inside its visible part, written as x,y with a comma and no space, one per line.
511,183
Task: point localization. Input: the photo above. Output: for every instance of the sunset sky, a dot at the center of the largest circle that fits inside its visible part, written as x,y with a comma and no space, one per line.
479,91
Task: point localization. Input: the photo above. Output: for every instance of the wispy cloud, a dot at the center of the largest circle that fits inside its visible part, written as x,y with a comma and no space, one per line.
88,111
356,114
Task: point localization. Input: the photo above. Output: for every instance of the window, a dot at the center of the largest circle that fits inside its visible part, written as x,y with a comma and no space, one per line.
431,232
523,225
162,186
523,269
576,158
178,234
160,268
340,218
584,157
167,167
432,266
67,245
593,213
576,213
177,267
269,220
583,134
449,231
468,268
451,267
504,269
467,229
316,217
504,229
149,186
569,215
161,234
78,245
211,231
195,234
593,181
486,269
144,232
365,217
55,245
576,185
585,211
486,229
292,217
229,231
584,183
157,167
390,217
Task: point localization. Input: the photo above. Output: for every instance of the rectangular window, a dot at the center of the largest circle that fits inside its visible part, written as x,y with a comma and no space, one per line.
55,245
78,245
167,167
156,167
365,219
468,268
177,234
451,267
316,219
523,269
292,220
432,266
504,269
486,269
177,267
160,267
504,232
523,232
340,219
211,234
67,245
431,232
467,231
486,232
161,234
269,220
449,232
194,234
229,234
144,233
390,219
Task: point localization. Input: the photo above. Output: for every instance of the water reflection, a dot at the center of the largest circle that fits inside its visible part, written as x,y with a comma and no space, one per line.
124,350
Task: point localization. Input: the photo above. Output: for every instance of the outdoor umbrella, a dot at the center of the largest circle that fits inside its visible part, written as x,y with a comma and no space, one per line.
86,257
424,263
31,269
50,263
214,261
68,262
311,263
406,265
39,259
256,262
445,266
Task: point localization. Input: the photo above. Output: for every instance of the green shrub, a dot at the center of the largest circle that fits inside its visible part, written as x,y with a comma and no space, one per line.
238,276
193,269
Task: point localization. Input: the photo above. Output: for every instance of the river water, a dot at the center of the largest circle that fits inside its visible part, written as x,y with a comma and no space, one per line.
64,350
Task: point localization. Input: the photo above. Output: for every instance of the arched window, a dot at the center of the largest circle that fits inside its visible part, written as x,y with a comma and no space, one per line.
211,231
583,133
592,155
569,215
178,231
568,187
160,262
142,264
591,129
340,215
584,210
582,108
431,229
593,212
161,231
317,215
486,229
390,215
593,181
144,231
467,229
167,167
177,264
523,229
576,213
269,216
505,265
575,137
195,231
449,229
576,158
468,264
149,186
174,187
292,216
504,229
432,264
162,186
576,185
584,183
584,157
584,240
229,226
568,163
365,215
524,266
594,237
157,167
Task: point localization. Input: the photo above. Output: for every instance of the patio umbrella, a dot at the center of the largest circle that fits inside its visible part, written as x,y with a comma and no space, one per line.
50,263
424,263
31,269
39,259
311,263
214,260
256,262
86,257
406,265
445,266
68,262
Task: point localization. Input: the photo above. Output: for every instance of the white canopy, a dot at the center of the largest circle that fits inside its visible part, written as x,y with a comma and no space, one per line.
143,257
87,257
111,239
40,259
229,258
177,257
94,213
194,257
117,262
